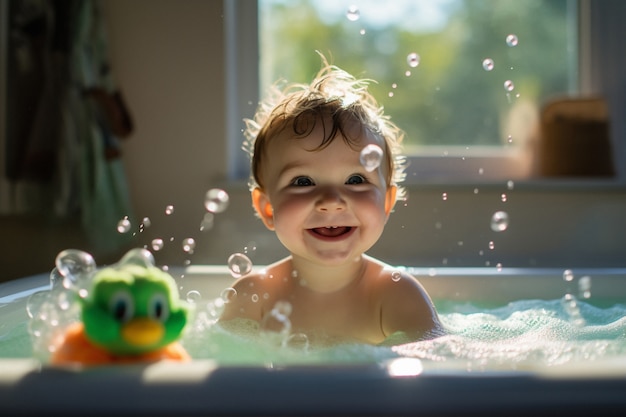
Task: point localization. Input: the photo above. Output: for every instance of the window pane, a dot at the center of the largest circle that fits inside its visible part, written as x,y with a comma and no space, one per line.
480,70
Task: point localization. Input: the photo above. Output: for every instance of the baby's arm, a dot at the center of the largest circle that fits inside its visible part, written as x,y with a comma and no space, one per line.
406,307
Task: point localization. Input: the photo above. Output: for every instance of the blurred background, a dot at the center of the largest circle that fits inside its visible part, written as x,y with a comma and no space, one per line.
119,116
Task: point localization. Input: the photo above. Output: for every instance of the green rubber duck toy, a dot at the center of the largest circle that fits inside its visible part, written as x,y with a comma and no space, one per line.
132,313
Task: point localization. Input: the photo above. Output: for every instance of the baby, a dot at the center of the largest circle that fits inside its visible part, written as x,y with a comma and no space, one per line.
328,205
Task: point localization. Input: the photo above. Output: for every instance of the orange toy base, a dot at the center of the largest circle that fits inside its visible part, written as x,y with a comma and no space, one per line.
77,349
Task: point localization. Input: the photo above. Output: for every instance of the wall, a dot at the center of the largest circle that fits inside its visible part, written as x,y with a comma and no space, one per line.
168,59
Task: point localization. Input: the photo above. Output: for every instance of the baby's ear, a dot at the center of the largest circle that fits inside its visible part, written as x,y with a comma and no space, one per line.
263,207
390,198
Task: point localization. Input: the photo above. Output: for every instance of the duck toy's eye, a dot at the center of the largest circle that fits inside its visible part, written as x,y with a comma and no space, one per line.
158,307
121,306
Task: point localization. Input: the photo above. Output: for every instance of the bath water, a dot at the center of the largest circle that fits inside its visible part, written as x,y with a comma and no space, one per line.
524,334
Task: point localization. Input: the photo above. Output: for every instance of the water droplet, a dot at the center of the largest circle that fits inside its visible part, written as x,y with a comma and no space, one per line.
413,60
503,197
396,276
499,221
284,308
250,248
499,267
193,296
239,264
492,245
216,200
169,210
512,40
228,294
510,184
407,73
207,222
371,157
362,31
146,222
189,245
568,275
156,244
488,64
254,298
444,196
353,14
481,171
584,286
123,226
508,85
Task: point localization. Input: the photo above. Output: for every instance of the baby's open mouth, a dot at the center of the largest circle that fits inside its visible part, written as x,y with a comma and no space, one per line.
332,231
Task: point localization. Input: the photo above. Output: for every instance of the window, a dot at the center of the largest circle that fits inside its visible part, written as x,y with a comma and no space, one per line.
465,79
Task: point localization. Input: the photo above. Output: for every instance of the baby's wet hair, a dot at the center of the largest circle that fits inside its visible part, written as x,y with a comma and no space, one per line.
333,96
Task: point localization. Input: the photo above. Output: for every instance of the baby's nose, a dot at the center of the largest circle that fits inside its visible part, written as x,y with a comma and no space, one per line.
330,200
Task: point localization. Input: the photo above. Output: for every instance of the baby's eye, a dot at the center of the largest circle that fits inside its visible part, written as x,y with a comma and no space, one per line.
356,179
302,182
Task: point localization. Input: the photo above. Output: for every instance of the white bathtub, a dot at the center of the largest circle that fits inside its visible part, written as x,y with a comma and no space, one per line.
203,388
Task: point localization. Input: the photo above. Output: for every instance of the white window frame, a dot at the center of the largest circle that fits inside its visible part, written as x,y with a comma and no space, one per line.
601,69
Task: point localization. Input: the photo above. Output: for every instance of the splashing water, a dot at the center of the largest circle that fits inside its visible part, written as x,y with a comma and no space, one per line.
371,157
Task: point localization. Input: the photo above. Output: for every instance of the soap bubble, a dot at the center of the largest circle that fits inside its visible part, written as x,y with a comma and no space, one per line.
353,13
508,85
371,156
146,222
228,294
74,265
169,210
123,226
156,244
298,341
141,257
216,200
413,60
193,296
396,276
499,221
239,264
189,245
488,64
512,40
